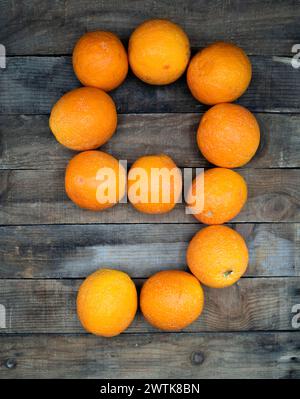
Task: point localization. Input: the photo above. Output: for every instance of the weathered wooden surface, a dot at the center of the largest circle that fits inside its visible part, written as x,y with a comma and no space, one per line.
27,142
47,244
38,197
52,27
209,355
31,85
140,250
49,306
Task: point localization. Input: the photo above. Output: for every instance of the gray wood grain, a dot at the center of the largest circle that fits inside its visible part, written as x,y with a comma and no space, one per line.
72,251
227,355
52,27
49,306
42,266
31,85
27,142
38,197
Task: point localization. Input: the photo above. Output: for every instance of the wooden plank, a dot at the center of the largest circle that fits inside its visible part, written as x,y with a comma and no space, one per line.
49,306
140,250
52,27
31,85
227,355
38,197
27,142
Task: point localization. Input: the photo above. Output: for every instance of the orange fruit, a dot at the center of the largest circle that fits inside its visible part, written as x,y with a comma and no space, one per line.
150,193
225,193
217,256
100,60
171,300
95,180
83,119
228,135
219,73
107,302
159,51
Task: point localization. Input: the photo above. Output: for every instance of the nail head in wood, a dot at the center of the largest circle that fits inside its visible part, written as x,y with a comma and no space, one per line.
197,358
10,363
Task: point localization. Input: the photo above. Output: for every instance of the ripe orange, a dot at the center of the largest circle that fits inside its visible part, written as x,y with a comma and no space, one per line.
228,135
159,51
219,73
217,256
225,193
83,119
94,180
154,184
107,302
100,60
171,300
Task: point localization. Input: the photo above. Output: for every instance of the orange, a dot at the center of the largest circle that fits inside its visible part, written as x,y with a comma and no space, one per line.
219,73
225,193
217,256
83,119
154,184
94,180
171,300
100,60
159,51
228,135
107,302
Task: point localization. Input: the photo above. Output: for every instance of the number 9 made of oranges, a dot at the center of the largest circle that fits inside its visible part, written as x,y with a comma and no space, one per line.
228,136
